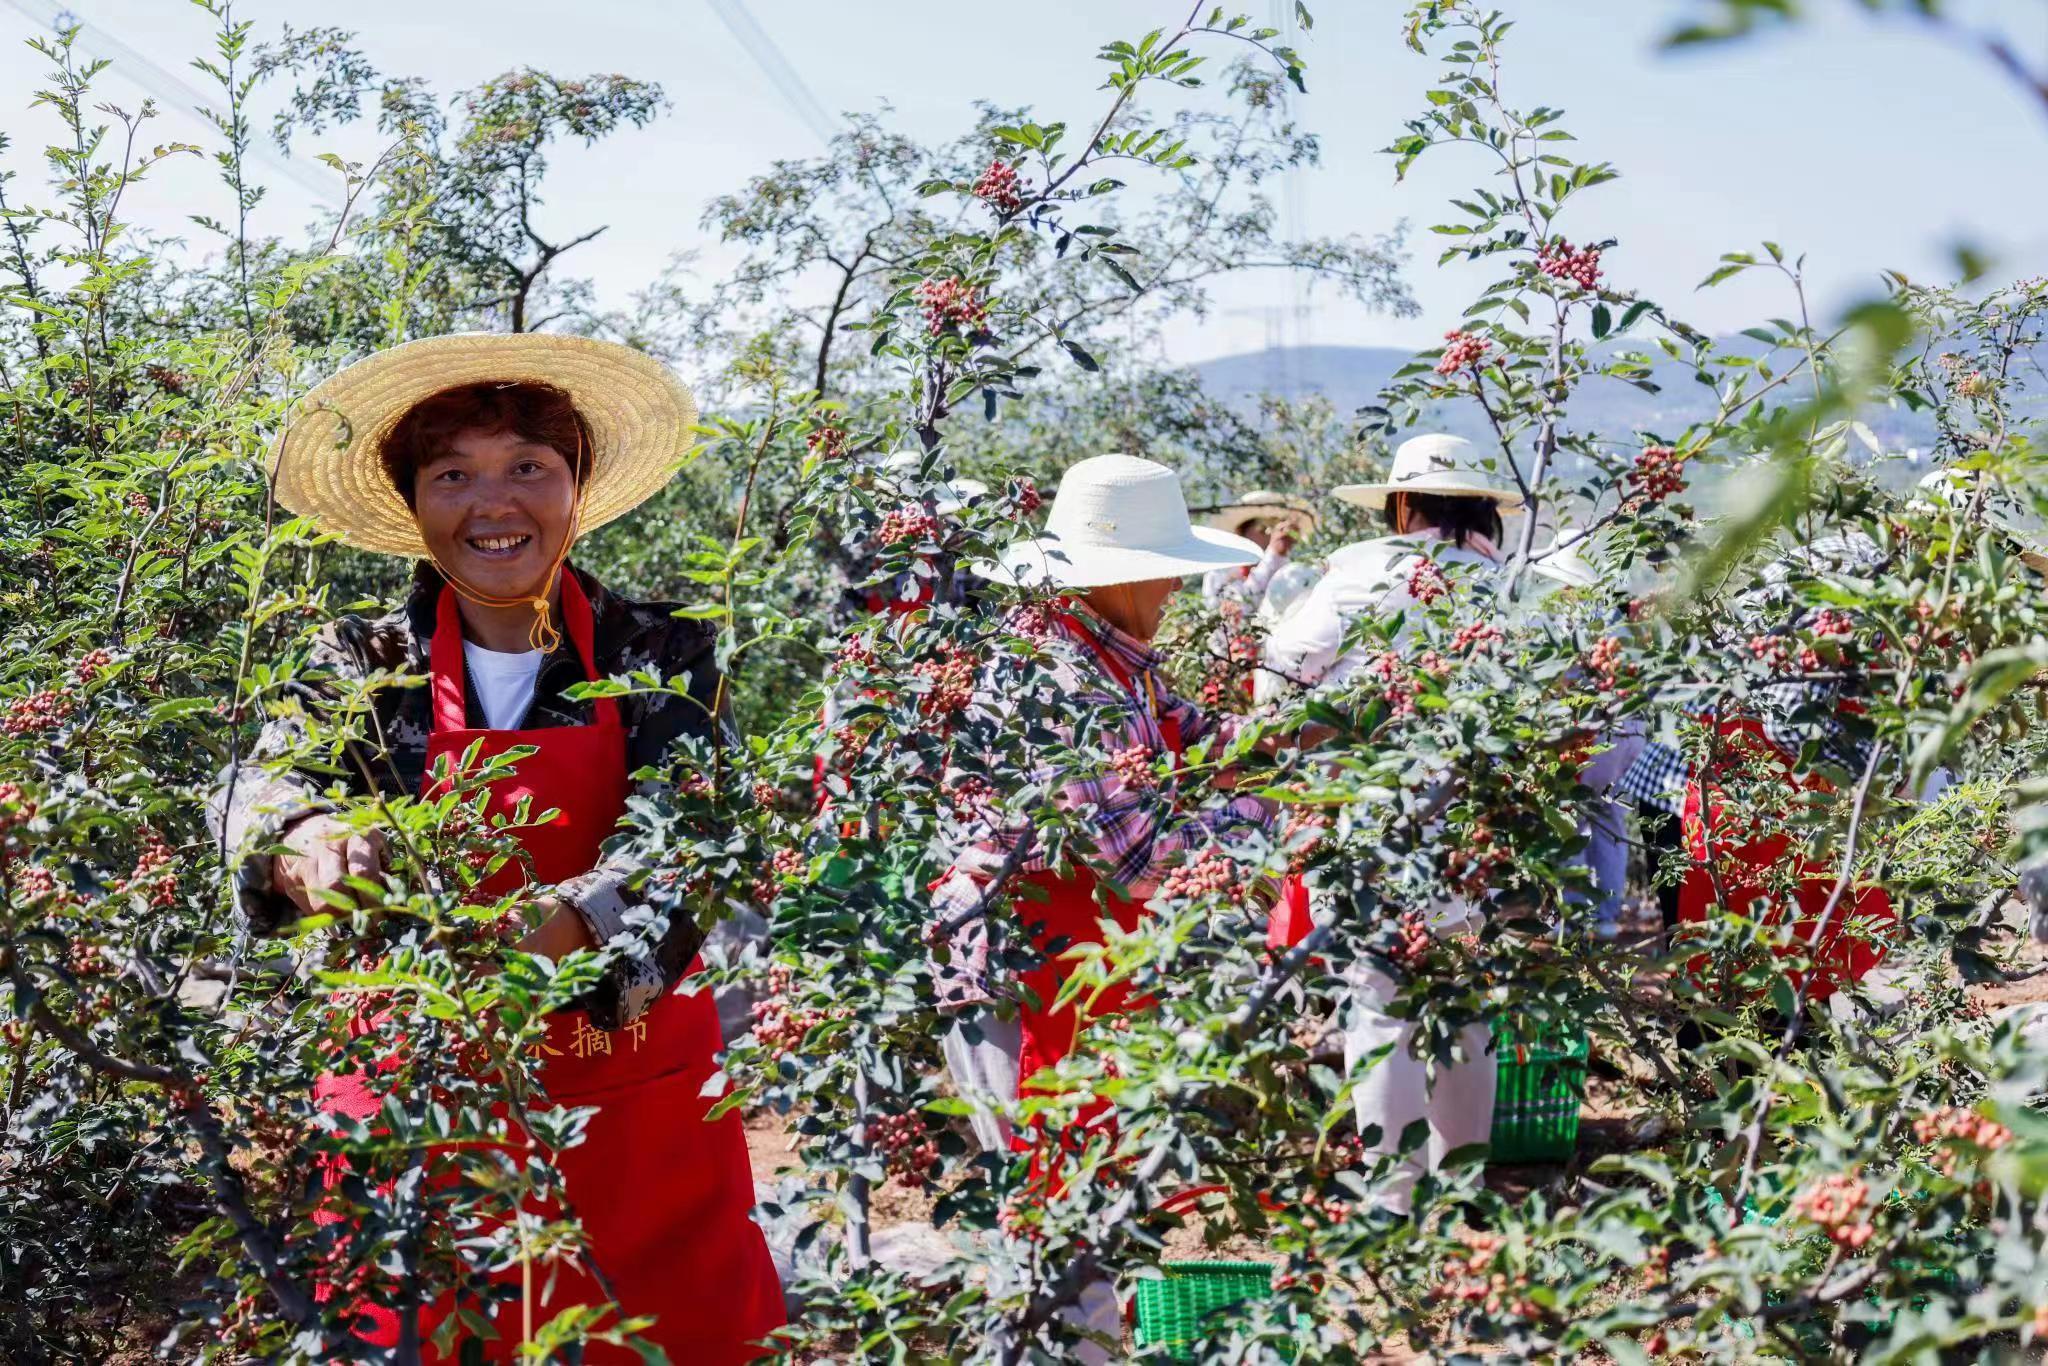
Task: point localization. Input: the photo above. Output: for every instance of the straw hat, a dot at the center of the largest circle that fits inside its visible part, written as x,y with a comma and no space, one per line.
639,415
1117,519
1448,466
1262,505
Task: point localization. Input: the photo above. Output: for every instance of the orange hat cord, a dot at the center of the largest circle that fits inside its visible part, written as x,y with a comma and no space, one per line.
544,635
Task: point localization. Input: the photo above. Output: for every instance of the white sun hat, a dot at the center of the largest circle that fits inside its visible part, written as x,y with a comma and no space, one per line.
639,414
896,474
1263,505
1448,466
1953,490
1117,519
1565,562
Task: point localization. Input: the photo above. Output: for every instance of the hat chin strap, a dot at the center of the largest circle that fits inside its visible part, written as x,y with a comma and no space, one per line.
543,635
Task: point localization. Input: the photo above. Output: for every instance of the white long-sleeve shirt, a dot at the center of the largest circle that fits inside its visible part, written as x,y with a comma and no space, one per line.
1306,649
1245,585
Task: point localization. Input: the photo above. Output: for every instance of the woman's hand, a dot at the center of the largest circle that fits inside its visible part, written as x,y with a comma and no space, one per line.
324,852
561,933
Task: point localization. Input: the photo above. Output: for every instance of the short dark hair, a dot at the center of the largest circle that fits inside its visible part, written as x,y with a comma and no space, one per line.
1456,517
533,411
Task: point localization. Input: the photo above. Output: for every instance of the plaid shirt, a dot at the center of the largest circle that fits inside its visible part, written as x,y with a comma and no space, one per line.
279,781
1133,834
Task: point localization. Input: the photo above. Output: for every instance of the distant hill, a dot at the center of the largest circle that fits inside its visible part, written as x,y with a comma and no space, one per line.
1352,376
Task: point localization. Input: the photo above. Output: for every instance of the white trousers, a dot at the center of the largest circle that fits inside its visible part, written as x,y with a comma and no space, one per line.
1456,1098
984,1073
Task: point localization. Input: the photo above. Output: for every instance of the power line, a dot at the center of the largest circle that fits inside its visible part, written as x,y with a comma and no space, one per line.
171,89
776,67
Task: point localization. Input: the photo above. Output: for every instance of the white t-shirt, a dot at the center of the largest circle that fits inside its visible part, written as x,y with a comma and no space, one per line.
503,683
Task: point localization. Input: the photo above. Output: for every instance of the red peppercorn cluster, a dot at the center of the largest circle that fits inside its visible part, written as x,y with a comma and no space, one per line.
827,442
1473,1279
1022,1218
950,303
1426,582
1413,943
1560,260
165,378
34,882
1462,351
138,503
1973,384
1605,660
1836,1204
1211,872
1026,495
1770,651
1828,622
951,676
1433,664
911,522
38,712
1477,636
855,652
779,1024
971,795
1470,868
1659,473
1396,685
696,786
1000,188
15,807
90,664
1032,623
155,873
1954,1124
1134,766
908,1149
767,794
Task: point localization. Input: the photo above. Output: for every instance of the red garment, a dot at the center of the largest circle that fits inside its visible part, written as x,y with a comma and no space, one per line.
663,1197
1290,921
1747,866
1072,913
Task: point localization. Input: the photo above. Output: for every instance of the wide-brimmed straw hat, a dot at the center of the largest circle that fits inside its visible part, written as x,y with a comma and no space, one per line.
1448,466
1263,505
1117,519
328,468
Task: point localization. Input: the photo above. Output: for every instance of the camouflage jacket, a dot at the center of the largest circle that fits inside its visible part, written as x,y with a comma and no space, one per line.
258,798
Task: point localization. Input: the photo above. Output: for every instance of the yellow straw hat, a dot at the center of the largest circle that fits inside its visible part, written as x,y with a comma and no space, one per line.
1263,505
328,467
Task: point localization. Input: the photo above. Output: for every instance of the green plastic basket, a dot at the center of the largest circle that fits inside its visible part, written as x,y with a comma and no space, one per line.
1536,1106
1171,1307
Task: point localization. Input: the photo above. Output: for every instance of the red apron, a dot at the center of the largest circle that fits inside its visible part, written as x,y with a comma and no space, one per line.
663,1196
1746,867
1072,913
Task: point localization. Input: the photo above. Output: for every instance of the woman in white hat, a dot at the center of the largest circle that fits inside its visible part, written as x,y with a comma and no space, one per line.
1271,521
482,458
1443,506
1117,545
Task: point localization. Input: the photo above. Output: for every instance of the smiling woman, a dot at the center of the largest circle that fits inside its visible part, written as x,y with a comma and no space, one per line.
484,457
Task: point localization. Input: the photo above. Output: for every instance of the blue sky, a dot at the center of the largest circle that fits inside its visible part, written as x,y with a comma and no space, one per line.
1867,145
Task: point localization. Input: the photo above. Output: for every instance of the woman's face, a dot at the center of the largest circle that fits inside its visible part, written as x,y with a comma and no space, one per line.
1136,609
495,509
